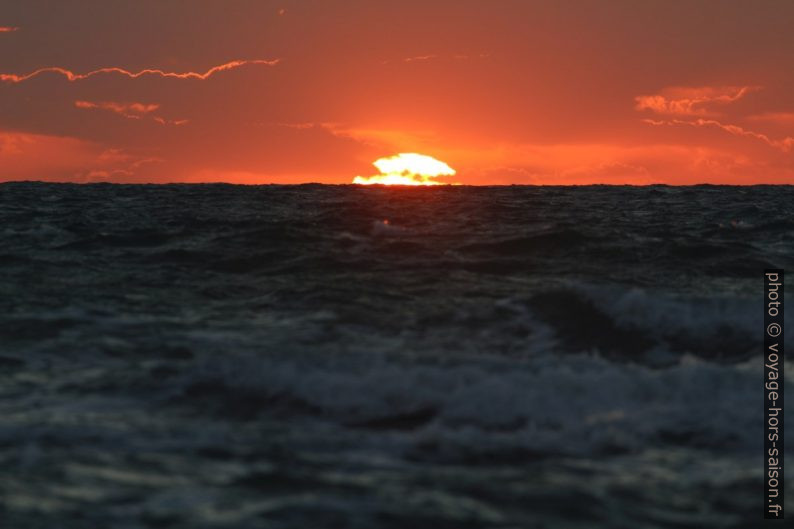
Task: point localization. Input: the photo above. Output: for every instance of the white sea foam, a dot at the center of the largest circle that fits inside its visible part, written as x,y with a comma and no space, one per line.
666,312
579,406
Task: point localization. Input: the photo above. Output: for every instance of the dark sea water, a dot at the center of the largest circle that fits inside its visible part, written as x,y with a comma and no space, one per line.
345,357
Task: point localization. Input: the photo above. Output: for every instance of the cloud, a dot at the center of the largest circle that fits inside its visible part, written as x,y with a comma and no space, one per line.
308,125
779,118
8,29
382,139
389,139
114,165
27,156
785,144
436,57
177,122
129,110
616,163
420,58
72,76
683,101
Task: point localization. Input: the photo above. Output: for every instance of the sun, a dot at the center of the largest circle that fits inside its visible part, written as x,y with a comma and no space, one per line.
407,169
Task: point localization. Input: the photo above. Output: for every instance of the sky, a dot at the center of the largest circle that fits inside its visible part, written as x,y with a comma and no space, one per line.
295,91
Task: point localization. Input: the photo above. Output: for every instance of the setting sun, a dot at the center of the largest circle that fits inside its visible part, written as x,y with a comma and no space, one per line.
407,169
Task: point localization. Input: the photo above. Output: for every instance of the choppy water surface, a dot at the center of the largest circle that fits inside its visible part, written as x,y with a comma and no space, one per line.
336,356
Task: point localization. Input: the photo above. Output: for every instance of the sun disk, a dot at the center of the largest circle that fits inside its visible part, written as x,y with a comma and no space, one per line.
408,169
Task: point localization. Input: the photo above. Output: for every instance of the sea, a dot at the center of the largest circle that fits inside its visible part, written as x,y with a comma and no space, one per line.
365,357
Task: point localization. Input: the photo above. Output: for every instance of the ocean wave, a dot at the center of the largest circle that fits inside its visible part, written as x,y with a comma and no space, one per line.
583,406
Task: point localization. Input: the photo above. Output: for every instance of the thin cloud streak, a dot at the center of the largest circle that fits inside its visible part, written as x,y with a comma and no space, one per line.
691,101
130,110
8,29
435,57
72,76
420,58
785,145
779,118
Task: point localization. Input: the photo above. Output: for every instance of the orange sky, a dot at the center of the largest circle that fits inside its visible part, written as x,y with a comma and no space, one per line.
504,91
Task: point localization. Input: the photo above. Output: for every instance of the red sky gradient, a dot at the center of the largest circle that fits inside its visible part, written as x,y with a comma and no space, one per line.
291,91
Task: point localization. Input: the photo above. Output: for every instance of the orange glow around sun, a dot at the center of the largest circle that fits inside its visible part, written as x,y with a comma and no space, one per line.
407,169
